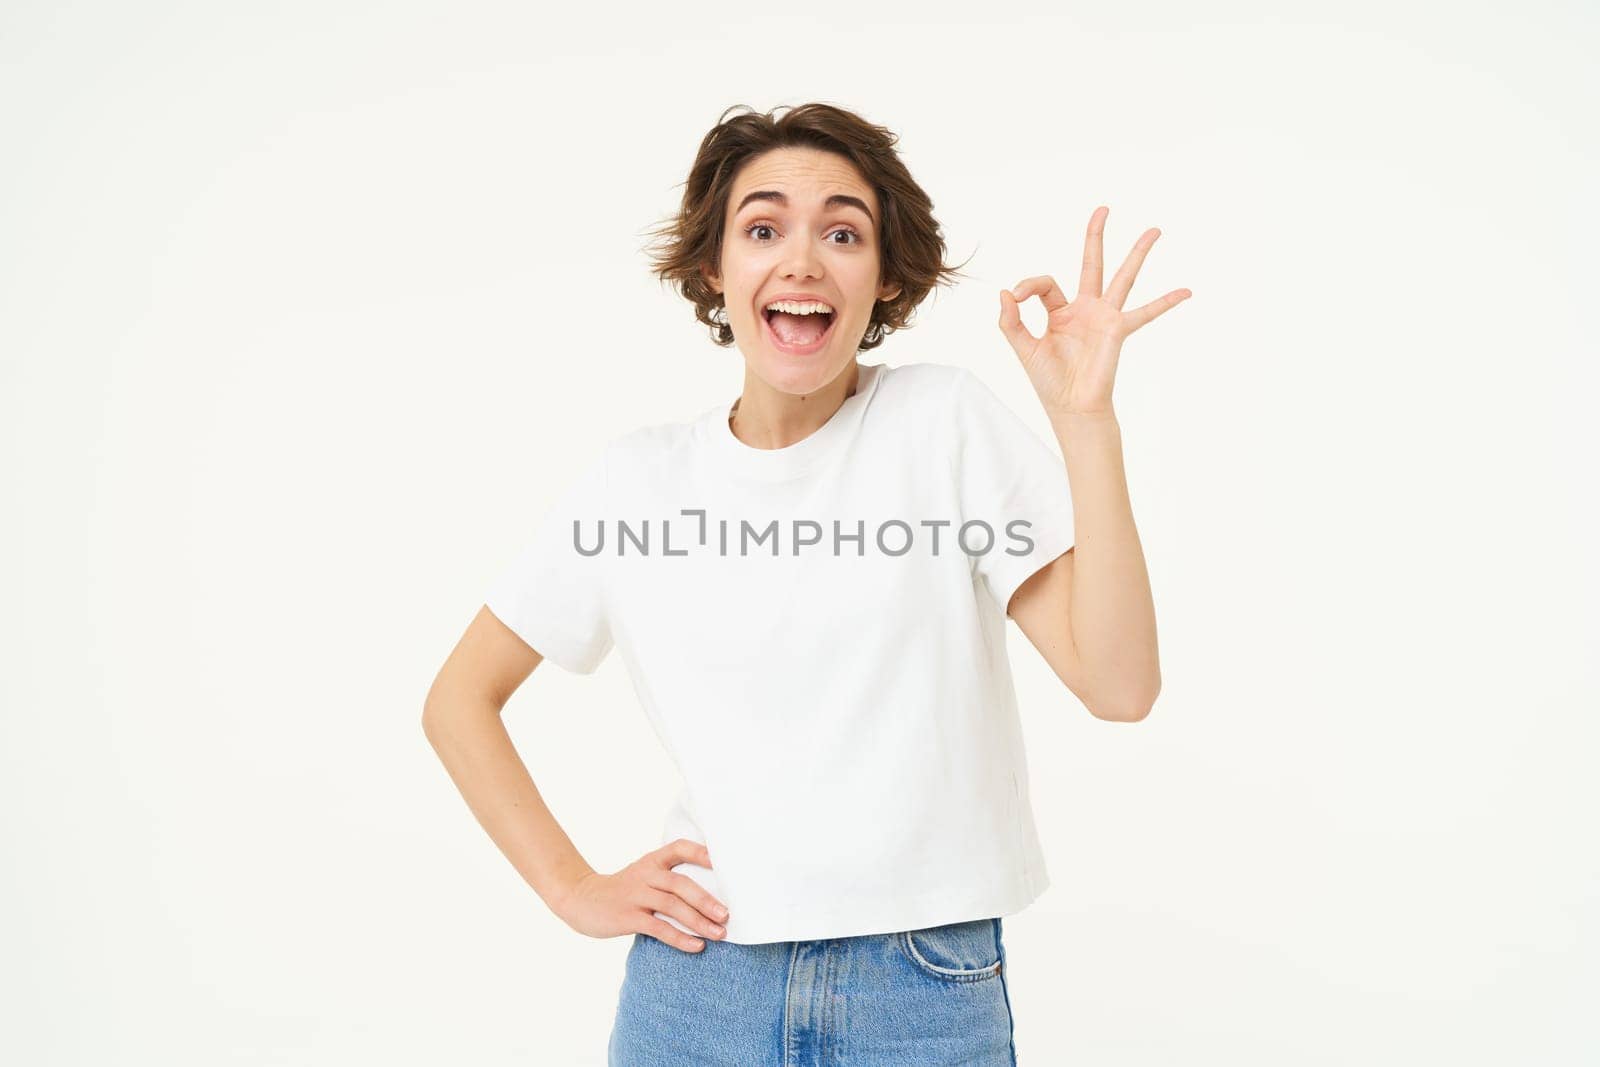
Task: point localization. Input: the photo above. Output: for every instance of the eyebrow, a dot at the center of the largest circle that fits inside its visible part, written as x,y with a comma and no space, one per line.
836,200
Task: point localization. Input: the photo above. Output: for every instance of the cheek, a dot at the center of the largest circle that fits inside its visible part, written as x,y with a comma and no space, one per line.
864,290
744,275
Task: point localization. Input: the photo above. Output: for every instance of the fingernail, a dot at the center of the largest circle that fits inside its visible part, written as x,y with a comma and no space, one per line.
722,913
719,931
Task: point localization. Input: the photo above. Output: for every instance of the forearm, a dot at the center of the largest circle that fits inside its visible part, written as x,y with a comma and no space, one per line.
1111,609
471,740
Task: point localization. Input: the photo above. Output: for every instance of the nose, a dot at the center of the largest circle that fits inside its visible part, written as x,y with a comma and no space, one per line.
802,261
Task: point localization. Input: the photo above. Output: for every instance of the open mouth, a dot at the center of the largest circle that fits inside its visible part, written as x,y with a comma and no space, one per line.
798,334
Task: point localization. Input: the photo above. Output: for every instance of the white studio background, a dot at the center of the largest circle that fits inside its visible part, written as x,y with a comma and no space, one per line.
307,311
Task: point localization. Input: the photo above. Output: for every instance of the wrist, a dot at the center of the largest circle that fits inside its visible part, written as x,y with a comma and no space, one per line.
563,882
1076,422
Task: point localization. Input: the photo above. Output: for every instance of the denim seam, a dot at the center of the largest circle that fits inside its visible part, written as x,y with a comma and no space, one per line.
824,1002
1011,1018
946,973
788,1050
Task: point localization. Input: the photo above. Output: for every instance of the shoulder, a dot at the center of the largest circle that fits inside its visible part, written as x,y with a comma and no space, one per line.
645,451
924,381
942,386
951,398
926,394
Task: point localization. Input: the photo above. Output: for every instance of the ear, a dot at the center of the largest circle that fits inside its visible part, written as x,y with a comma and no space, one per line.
711,279
888,292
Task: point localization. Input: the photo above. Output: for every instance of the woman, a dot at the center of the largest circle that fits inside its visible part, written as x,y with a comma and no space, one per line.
809,588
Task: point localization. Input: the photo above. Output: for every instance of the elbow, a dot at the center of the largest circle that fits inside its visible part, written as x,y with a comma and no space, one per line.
447,710
436,716
1120,713
1131,706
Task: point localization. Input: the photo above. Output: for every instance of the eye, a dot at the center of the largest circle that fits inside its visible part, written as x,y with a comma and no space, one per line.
856,238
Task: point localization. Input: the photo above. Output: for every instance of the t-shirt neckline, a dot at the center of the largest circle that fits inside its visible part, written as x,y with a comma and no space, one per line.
777,464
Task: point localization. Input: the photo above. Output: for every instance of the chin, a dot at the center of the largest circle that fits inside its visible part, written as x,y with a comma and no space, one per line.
796,375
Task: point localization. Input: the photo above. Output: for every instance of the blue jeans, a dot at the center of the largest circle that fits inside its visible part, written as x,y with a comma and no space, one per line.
931,996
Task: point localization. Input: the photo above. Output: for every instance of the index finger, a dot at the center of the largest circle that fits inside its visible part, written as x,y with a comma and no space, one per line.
683,850
1050,294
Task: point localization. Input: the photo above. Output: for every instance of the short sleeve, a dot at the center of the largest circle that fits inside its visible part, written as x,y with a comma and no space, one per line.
1009,479
552,594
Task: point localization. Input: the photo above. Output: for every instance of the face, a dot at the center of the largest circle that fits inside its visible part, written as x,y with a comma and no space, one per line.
789,239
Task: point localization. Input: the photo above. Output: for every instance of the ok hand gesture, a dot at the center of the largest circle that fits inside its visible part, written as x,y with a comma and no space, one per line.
1073,365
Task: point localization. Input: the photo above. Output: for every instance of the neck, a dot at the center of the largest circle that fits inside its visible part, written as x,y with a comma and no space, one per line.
764,417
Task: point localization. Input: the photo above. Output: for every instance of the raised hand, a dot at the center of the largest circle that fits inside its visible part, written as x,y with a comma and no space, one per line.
609,905
1073,366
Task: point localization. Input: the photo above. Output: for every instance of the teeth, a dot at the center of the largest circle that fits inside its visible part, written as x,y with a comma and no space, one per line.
797,307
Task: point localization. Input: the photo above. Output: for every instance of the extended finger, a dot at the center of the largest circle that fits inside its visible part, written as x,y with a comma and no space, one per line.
1141,315
672,904
1093,254
1118,293
666,933
1050,294
695,894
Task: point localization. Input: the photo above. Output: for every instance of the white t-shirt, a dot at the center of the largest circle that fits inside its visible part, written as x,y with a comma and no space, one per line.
844,721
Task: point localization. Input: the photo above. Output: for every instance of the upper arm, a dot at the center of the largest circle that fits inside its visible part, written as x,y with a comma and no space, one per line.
552,595
489,663
1007,478
1040,607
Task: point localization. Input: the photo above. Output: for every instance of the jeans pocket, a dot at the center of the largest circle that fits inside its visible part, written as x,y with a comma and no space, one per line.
955,952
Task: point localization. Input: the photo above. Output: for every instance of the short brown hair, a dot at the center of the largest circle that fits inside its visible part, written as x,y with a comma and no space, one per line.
911,245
